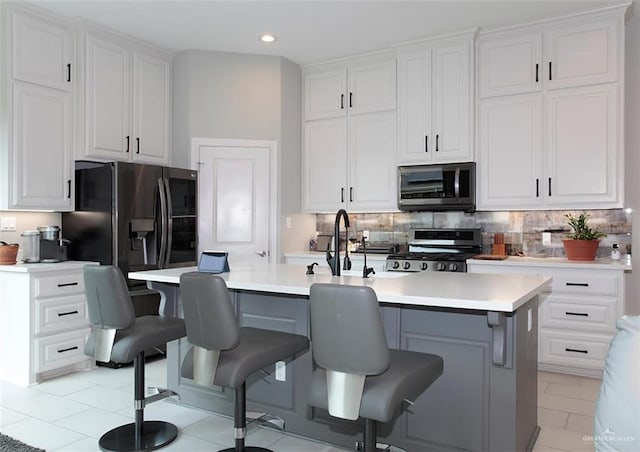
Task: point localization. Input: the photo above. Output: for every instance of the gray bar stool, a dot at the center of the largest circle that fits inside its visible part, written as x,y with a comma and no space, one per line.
117,335
224,354
358,376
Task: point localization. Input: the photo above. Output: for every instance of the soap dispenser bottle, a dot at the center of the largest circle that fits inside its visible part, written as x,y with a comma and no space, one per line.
615,252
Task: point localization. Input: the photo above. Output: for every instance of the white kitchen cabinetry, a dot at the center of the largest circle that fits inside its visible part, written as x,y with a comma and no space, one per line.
44,321
37,102
560,144
435,104
127,101
349,154
577,315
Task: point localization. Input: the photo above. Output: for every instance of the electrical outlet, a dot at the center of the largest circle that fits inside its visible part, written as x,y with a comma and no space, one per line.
546,238
365,235
8,224
288,222
281,371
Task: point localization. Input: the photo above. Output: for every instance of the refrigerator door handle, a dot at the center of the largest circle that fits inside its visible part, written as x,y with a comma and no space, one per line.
169,232
163,223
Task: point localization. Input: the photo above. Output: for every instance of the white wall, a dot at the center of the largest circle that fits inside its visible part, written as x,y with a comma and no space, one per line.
226,95
27,221
632,148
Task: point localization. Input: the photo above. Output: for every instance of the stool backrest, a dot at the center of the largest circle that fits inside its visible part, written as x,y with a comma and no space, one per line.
209,316
347,334
108,299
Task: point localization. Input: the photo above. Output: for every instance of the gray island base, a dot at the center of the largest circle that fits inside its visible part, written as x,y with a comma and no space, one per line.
486,399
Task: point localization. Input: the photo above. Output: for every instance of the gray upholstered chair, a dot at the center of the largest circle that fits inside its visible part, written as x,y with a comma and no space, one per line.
118,336
357,375
224,354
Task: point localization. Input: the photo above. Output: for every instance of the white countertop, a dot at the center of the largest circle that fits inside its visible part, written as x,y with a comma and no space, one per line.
484,292
43,267
560,262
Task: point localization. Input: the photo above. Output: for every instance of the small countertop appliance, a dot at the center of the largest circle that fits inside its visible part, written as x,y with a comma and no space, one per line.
52,247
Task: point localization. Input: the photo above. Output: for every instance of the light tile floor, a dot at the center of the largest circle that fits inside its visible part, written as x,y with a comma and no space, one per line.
70,413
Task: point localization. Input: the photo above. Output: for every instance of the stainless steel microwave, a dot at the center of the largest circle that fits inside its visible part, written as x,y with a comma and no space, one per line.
437,187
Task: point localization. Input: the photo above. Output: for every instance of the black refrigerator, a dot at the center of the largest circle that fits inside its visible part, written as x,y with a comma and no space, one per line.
136,217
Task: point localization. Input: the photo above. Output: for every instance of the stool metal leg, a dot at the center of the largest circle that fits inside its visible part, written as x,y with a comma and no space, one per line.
370,435
140,435
240,424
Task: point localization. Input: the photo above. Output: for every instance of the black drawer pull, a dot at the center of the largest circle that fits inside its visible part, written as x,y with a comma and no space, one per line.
68,284
341,101
62,314
575,350
578,284
68,349
579,314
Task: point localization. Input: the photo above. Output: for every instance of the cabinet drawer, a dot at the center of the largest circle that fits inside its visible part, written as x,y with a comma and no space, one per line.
584,282
58,314
55,285
573,349
60,350
598,314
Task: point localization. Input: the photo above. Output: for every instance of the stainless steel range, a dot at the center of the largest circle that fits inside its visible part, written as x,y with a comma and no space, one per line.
437,250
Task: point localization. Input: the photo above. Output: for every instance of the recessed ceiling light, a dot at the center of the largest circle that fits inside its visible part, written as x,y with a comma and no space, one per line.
267,38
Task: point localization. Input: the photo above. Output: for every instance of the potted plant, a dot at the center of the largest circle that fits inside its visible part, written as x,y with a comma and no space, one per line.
582,243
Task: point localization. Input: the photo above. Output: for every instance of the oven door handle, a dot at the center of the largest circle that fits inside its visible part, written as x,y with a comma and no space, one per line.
456,184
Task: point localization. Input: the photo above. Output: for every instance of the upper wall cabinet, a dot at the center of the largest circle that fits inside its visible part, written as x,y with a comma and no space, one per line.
577,53
37,101
355,88
127,101
435,104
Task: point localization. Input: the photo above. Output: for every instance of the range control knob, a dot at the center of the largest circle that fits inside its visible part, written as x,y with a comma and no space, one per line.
424,266
406,265
396,265
453,267
441,266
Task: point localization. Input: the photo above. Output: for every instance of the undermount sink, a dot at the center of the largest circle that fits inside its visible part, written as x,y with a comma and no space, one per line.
389,275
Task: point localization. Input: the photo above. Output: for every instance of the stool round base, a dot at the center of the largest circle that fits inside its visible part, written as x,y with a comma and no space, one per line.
247,449
155,434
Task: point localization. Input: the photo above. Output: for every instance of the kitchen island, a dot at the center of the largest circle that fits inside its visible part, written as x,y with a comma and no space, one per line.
484,327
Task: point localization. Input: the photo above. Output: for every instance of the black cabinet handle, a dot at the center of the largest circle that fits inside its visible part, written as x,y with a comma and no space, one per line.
579,284
128,139
537,188
68,284
341,101
68,188
342,194
68,349
426,143
579,314
62,314
550,77
350,100
137,145
69,72
537,78
437,137
575,350
350,194
549,186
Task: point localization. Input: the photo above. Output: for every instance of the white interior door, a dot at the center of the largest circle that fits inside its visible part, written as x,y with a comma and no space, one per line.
234,193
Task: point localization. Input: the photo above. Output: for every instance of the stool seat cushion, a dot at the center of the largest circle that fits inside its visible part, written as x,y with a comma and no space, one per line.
257,349
146,332
408,375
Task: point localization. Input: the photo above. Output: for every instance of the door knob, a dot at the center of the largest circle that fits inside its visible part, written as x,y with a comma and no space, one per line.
262,253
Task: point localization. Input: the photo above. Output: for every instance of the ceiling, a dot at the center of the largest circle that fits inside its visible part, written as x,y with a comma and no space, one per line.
307,31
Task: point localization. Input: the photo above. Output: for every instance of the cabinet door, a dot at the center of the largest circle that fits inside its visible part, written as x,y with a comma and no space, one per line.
324,94
42,148
108,133
42,52
583,164
509,152
414,108
372,87
372,163
325,159
452,103
150,138
582,54
510,65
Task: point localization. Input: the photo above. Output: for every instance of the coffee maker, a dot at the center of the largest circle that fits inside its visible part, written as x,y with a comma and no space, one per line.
52,247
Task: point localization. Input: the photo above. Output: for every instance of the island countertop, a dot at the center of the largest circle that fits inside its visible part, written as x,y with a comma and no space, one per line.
486,292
